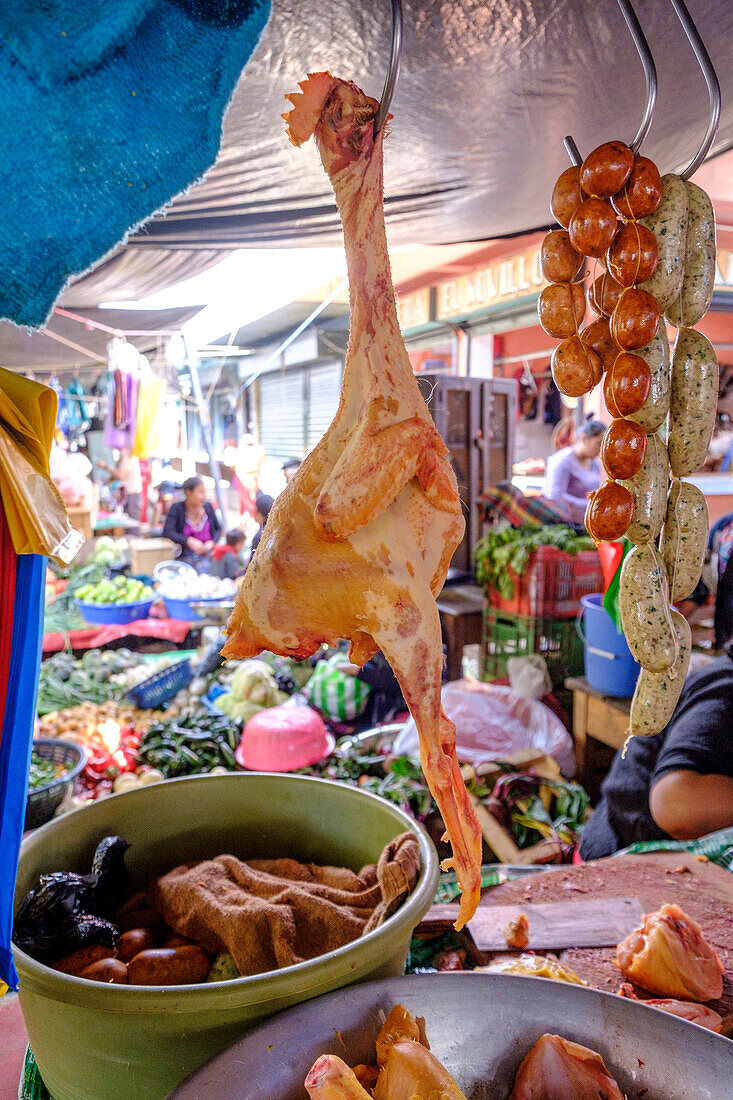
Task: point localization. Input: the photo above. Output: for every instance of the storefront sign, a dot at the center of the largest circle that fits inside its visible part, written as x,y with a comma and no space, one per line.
413,310
515,277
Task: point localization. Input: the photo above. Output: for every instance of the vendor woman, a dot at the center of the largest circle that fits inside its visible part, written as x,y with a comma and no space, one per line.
678,784
192,524
574,472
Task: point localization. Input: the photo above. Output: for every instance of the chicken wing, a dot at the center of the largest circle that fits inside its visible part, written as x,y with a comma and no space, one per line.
358,545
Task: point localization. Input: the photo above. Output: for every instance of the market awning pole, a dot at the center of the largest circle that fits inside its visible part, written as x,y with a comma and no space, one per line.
294,335
202,408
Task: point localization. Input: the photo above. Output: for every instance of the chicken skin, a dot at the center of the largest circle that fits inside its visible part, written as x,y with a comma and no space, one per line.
556,1069
358,545
668,955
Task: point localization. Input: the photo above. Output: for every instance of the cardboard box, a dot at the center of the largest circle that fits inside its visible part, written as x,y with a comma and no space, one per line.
145,554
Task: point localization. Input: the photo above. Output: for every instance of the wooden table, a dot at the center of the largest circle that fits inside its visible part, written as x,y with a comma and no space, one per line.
461,621
597,718
704,891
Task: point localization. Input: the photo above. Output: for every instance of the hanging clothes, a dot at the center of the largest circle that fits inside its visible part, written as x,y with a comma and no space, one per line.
123,381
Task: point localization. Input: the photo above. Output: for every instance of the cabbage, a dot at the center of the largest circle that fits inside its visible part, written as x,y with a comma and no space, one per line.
253,681
243,709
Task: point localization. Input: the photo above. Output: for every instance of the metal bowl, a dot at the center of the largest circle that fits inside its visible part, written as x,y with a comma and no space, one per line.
370,740
480,1026
216,611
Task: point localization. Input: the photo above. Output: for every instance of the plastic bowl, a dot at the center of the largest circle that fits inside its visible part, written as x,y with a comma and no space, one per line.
286,746
118,1042
116,613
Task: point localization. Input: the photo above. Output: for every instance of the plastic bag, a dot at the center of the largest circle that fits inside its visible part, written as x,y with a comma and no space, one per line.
34,510
334,692
528,676
492,721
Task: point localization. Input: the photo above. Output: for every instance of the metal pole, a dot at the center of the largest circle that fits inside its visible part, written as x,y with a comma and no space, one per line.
202,408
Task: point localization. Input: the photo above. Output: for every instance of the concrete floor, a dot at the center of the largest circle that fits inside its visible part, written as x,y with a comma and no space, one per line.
13,1041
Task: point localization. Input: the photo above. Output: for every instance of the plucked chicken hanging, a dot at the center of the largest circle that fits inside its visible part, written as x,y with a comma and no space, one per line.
358,545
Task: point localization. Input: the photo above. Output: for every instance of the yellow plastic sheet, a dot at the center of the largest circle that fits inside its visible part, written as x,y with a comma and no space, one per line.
34,510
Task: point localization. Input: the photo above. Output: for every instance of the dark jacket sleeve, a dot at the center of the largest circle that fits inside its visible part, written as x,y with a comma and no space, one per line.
214,524
175,521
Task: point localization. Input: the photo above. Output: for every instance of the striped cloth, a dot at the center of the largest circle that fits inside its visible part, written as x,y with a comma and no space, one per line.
505,501
334,692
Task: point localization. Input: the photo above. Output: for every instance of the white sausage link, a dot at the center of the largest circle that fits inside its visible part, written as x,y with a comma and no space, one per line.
693,402
645,611
657,693
684,538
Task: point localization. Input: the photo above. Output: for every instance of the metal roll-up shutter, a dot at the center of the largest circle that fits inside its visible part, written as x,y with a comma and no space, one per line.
324,391
282,414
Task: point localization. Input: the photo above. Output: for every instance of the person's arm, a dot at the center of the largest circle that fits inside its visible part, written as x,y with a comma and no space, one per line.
174,524
214,525
691,788
688,805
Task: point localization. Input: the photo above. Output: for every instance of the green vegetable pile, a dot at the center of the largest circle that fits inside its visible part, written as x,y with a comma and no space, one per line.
62,614
121,590
109,551
66,681
253,687
192,745
398,779
43,772
503,554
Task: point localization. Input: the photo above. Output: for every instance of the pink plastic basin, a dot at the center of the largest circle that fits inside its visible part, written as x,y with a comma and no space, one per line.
282,739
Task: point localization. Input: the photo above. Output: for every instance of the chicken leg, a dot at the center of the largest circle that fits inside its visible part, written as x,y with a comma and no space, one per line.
358,545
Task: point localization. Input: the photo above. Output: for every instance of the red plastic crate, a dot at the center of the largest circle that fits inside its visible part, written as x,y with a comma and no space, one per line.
552,584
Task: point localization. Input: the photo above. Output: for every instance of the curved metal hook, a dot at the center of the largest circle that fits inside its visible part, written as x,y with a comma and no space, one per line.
394,67
650,75
711,79
650,71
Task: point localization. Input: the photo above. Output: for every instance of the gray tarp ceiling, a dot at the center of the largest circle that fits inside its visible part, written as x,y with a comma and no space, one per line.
487,91
26,351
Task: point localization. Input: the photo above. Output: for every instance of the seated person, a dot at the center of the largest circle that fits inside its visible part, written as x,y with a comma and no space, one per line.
574,472
192,524
226,560
677,784
263,504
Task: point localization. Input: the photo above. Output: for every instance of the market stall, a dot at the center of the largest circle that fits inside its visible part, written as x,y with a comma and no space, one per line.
210,843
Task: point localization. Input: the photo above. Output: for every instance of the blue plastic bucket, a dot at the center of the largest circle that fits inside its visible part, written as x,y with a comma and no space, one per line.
609,666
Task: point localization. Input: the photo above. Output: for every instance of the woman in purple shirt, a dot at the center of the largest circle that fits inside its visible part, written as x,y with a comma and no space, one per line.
192,524
574,472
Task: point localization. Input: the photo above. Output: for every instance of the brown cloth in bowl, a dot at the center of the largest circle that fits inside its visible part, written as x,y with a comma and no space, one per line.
270,913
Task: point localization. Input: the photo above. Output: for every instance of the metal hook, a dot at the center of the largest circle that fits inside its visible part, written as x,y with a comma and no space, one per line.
394,67
711,79
650,71
650,74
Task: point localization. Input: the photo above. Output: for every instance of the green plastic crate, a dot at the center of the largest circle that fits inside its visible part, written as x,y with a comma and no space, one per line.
506,635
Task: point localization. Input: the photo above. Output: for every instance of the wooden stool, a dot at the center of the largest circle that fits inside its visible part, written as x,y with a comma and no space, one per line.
460,610
597,718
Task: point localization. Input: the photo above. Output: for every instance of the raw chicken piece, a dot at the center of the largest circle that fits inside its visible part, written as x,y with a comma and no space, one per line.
399,1027
556,1069
359,543
668,955
331,1079
411,1072
686,1010
516,932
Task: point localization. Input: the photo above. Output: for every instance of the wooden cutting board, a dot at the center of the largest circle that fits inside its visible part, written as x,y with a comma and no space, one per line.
703,890
598,922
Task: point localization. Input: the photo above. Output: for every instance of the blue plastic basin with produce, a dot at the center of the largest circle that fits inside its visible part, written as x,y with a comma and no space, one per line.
117,600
